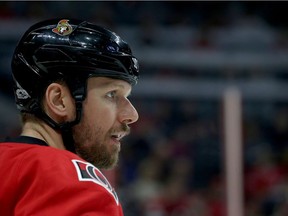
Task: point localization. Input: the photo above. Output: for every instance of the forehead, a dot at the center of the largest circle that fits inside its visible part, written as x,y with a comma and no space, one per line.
105,82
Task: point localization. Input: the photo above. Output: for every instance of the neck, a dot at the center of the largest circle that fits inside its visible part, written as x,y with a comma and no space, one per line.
44,132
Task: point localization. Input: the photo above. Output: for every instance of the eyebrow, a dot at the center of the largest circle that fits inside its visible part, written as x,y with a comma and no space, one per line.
118,85
111,84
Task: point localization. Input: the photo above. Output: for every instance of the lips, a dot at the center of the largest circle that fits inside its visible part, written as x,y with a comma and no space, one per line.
120,132
118,136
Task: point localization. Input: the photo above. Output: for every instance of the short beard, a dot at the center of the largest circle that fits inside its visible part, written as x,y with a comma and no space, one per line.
98,155
94,151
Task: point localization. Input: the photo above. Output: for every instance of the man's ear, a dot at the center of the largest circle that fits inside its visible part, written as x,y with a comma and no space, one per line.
58,102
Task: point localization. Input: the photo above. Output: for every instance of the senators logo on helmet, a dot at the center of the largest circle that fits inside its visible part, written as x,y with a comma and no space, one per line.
63,28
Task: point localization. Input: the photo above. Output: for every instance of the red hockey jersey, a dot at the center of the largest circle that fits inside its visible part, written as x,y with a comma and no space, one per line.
41,180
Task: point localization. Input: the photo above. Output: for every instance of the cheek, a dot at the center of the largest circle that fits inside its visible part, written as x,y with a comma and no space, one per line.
99,115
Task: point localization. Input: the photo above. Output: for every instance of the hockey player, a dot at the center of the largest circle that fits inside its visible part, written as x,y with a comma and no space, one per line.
72,82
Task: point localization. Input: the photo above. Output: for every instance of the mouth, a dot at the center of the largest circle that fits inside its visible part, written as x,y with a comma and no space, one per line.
118,136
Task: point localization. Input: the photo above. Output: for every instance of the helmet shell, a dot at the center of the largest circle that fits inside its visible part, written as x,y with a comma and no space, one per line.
69,50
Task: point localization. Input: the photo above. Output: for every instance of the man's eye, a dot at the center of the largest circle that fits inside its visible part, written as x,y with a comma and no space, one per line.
111,94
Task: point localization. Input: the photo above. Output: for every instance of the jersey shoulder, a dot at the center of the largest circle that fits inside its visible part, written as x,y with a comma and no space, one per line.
62,168
53,175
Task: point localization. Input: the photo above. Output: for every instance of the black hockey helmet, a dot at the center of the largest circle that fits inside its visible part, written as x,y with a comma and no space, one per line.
69,50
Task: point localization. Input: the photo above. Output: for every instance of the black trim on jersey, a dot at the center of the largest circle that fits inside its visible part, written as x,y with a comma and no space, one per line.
26,140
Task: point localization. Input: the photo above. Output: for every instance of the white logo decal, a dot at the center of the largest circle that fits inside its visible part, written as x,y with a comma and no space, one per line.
21,93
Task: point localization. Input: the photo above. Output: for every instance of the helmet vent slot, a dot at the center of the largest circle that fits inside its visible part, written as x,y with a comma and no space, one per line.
45,54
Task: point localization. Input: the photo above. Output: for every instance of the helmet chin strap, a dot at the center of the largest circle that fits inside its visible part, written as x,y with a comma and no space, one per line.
66,127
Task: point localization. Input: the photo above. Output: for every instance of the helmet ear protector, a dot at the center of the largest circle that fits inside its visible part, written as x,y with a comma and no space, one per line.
71,51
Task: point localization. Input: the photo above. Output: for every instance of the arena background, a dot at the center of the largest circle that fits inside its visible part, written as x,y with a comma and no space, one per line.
190,53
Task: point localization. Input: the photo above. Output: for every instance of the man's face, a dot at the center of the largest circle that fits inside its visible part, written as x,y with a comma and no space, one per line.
107,112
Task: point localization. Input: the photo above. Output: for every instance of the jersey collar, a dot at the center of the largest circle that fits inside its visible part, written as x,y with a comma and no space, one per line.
26,140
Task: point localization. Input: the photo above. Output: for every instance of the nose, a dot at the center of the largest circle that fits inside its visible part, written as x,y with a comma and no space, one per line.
128,113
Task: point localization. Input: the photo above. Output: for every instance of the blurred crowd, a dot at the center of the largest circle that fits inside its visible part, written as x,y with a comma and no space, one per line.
172,163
